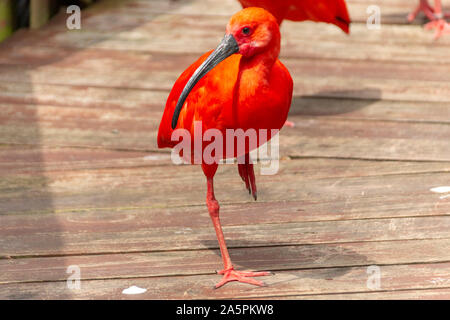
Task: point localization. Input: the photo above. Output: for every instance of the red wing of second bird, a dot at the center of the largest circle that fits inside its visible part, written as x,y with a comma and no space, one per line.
329,11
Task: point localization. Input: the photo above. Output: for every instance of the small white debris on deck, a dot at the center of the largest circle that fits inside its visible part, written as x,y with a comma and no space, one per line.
134,290
443,189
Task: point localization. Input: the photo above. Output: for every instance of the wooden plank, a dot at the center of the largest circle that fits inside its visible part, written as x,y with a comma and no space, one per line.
360,109
370,79
35,159
376,140
143,24
172,263
136,129
144,102
298,282
132,28
141,218
337,184
151,104
393,11
105,237
87,64
293,46
79,96
414,294
197,34
147,188
23,159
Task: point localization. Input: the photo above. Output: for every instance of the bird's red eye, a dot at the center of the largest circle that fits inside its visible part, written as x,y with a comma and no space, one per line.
246,31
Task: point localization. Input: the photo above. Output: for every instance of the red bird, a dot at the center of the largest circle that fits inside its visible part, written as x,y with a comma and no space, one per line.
329,11
434,14
239,85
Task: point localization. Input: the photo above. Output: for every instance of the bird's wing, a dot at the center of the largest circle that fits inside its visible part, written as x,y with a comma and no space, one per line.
200,105
277,8
329,11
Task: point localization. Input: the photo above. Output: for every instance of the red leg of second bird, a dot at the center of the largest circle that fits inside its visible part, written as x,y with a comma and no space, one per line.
422,7
441,26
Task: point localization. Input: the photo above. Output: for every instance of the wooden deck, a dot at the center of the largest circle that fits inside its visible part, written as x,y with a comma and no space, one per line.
82,182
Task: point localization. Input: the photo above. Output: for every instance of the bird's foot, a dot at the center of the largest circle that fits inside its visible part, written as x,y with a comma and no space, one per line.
289,124
241,276
441,26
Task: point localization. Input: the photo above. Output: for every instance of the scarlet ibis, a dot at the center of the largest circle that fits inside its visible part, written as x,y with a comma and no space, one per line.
434,14
239,85
330,11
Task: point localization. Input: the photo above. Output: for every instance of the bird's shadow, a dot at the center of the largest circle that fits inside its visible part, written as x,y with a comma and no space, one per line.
328,103
317,261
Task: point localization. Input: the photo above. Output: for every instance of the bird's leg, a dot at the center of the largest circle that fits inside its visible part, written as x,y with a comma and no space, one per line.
248,175
425,7
438,22
229,274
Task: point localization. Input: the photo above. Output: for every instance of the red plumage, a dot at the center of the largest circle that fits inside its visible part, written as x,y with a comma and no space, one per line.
329,11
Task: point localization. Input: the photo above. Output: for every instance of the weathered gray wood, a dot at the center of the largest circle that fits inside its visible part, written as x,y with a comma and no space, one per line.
118,30
102,237
80,172
373,80
305,40
136,129
284,283
171,263
413,294
35,159
333,182
394,12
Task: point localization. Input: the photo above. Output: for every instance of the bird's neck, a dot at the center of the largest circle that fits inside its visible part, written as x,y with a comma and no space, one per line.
259,65
254,80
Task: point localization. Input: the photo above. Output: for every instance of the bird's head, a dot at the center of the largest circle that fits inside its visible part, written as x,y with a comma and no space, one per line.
254,30
249,32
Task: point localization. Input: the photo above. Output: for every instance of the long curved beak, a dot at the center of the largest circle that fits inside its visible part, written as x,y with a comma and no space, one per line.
226,48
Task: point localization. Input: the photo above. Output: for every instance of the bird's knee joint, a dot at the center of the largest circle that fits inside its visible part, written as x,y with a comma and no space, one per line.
213,207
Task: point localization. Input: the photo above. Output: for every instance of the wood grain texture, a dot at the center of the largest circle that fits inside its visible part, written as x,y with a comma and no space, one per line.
135,129
285,283
195,262
83,183
335,181
370,80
